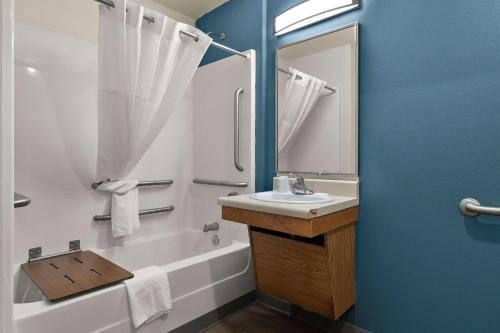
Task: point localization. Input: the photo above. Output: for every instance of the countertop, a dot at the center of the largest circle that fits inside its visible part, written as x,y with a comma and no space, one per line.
305,211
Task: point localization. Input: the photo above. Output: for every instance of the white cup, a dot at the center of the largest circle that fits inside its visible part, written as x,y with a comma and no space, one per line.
283,185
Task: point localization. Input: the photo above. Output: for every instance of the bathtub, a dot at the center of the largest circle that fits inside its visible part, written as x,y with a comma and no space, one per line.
202,277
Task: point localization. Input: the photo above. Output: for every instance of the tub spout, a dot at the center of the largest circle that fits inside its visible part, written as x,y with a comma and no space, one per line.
211,226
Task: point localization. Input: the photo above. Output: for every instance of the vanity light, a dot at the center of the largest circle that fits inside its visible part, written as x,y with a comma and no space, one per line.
309,12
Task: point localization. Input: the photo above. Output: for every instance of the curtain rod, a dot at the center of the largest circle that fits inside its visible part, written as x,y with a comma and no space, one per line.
300,77
150,19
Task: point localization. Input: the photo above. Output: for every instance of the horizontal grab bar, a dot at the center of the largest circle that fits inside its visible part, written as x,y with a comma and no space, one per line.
472,207
100,218
21,200
219,182
144,183
156,182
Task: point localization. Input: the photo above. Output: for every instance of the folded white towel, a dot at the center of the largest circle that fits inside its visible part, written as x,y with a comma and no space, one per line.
124,206
148,295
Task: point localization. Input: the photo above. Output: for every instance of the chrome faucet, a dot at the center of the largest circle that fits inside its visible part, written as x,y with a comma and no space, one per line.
211,227
299,186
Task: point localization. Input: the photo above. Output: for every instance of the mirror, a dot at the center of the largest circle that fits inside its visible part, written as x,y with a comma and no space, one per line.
316,104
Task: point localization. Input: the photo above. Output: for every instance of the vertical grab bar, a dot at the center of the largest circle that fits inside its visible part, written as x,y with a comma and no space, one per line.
237,94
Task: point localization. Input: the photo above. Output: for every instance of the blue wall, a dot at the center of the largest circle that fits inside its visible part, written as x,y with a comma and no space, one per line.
429,135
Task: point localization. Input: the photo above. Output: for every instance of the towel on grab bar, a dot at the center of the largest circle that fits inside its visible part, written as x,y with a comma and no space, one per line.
124,206
149,295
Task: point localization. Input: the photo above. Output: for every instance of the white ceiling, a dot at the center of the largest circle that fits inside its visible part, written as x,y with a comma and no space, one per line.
191,8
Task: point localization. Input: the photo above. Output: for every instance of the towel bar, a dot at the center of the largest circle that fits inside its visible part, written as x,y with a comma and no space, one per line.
101,218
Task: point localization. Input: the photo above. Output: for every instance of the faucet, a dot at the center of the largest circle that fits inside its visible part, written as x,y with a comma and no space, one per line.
211,226
299,186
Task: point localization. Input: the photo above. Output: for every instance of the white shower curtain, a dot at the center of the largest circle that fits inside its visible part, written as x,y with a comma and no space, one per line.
298,100
144,69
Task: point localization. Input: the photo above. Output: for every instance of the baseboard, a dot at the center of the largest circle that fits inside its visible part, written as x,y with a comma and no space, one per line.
216,315
334,326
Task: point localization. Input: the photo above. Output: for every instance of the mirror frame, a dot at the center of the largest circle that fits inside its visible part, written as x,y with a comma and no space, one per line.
314,174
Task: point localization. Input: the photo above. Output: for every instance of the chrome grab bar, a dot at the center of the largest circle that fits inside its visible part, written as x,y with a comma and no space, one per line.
142,184
21,200
108,3
155,182
472,207
237,94
219,182
101,218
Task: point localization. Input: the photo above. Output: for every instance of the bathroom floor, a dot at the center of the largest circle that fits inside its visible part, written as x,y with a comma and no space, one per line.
257,318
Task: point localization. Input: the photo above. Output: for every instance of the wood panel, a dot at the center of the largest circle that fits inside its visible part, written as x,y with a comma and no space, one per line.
292,225
340,248
326,223
73,274
294,271
252,247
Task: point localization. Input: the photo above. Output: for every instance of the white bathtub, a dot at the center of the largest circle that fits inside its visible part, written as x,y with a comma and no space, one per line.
202,278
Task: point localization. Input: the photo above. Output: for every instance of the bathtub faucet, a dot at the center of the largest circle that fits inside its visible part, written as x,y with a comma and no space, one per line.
211,226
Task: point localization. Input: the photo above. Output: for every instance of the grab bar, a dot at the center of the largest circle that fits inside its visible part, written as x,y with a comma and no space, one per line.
237,94
100,218
21,200
142,184
472,207
219,182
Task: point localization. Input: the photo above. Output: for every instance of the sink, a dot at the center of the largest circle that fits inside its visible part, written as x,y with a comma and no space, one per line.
292,198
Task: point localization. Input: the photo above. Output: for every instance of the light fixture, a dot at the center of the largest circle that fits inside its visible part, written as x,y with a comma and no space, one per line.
309,12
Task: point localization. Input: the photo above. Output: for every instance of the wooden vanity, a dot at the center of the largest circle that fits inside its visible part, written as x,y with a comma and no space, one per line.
307,261
303,250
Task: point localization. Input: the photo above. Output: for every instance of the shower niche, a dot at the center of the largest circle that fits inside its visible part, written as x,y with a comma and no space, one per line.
316,104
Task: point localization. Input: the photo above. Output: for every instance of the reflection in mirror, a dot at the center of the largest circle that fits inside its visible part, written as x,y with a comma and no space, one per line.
316,113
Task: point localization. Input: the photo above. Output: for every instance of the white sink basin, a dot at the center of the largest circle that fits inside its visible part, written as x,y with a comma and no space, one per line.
292,198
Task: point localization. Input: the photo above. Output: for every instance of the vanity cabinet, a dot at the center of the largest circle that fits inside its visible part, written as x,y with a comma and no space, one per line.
302,246
308,262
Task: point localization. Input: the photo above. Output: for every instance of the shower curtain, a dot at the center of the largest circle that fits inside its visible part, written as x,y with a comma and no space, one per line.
298,100
144,69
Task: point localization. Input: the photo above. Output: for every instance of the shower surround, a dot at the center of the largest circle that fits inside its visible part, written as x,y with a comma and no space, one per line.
56,149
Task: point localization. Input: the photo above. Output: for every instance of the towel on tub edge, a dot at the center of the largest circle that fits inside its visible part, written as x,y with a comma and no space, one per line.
148,294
